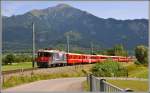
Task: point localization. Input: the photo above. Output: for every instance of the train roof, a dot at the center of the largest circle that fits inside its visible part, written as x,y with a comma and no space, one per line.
59,51
74,53
87,54
51,51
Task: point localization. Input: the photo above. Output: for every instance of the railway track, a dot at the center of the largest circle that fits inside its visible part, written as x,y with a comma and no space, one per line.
50,70
17,71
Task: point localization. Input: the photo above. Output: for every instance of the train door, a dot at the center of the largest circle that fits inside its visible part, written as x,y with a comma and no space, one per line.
89,58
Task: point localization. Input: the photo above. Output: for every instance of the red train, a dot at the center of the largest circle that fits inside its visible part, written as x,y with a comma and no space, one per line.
46,58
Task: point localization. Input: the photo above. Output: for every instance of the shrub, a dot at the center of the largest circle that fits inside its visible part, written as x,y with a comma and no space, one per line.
23,58
108,68
137,63
9,59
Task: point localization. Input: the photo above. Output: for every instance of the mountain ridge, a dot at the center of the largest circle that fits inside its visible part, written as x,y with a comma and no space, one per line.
62,19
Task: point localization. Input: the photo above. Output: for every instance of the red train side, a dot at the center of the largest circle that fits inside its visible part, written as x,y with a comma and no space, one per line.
54,57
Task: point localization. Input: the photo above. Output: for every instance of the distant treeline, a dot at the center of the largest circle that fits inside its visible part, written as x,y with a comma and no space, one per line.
140,52
83,50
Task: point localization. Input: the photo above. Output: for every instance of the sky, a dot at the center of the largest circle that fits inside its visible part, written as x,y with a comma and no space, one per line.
104,9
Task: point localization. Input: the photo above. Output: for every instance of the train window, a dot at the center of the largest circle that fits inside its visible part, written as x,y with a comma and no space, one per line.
74,56
79,57
44,54
83,57
103,57
86,57
39,54
93,57
70,56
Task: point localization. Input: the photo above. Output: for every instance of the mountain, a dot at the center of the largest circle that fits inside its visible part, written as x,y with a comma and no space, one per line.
53,24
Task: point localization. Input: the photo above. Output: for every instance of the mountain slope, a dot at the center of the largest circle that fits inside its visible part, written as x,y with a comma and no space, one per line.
54,23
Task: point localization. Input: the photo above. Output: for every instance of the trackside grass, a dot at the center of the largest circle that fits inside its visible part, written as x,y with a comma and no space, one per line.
22,79
17,80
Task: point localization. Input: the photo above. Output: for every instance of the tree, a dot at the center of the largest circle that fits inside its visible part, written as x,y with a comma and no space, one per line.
110,52
117,50
141,53
9,59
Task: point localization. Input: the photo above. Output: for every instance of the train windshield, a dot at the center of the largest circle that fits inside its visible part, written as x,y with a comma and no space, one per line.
44,54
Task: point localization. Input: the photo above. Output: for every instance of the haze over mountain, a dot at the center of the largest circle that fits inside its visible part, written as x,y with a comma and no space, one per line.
54,23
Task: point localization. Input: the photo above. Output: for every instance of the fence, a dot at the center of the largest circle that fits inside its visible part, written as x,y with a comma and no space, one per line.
101,85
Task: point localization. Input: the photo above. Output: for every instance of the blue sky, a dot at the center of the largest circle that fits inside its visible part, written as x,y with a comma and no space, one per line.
104,9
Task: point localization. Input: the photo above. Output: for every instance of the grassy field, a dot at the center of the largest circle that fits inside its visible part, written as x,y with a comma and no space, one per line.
137,71
134,71
137,86
15,66
18,80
